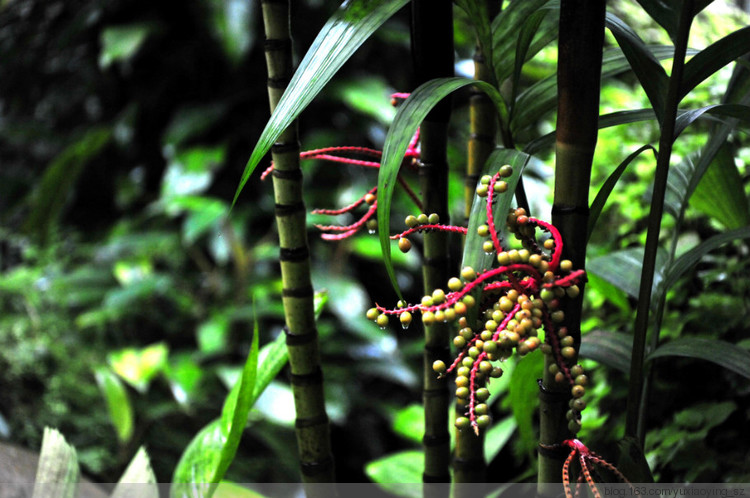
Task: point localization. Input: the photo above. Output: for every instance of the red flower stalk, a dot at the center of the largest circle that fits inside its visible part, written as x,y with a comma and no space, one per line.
363,157
516,299
586,459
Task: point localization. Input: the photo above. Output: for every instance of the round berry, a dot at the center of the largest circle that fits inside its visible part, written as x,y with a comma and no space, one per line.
490,347
486,335
566,265
372,225
574,426
549,244
404,244
490,325
462,423
485,180
500,187
468,362
485,367
581,380
483,421
496,373
568,352
577,391
559,377
462,381
372,314
557,316
439,316
460,308
382,321
463,371
422,219
474,352
482,393
503,258
576,370
439,366
427,301
468,300
488,246
505,170
482,190
573,291
459,342
481,409
579,404
462,392
567,341
483,230
428,318
468,273
411,221
405,319
370,198
438,296
506,304
467,333
433,219
455,284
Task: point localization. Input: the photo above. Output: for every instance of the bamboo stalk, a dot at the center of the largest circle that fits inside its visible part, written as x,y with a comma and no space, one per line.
578,78
311,425
432,46
640,330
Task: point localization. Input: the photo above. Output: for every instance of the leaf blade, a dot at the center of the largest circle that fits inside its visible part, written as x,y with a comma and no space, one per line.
723,353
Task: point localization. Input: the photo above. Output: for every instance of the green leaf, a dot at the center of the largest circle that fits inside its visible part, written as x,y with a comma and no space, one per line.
236,408
139,366
408,118
691,257
723,353
57,473
198,463
720,193
667,14
623,270
120,43
370,96
409,422
59,179
609,185
714,57
341,36
118,404
498,436
393,471
685,118
138,478
524,398
505,28
184,376
476,10
525,37
612,349
632,462
650,73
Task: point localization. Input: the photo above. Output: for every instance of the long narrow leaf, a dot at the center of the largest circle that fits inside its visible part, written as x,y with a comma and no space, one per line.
650,73
410,114
666,13
714,57
505,29
341,36
609,184
724,354
623,270
477,12
721,193
736,111
612,349
690,258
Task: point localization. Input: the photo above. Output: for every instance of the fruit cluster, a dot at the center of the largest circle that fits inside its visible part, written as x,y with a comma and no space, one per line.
501,309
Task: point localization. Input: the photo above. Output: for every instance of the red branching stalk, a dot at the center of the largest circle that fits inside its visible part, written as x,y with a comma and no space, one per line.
517,297
586,458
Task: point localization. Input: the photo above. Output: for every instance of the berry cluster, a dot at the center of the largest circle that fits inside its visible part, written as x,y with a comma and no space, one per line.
515,299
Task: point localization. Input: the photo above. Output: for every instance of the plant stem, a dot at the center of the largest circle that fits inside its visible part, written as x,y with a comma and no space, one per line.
640,329
578,79
432,47
311,426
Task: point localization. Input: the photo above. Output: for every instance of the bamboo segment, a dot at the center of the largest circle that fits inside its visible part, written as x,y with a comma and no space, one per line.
578,78
432,45
311,426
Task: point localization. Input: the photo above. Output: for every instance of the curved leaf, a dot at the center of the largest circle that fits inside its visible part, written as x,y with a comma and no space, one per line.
476,10
685,118
650,73
713,58
623,270
682,264
408,118
667,13
609,184
612,349
341,36
725,354
118,404
505,29
721,193
198,463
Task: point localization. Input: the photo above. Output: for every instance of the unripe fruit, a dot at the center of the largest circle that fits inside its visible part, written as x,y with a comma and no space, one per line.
549,244
485,367
485,180
460,308
482,394
486,335
468,300
576,370
546,348
468,362
468,273
372,225
463,371
559,377
512,294
481,409
438,296
500,187
474,352
581,380
427,301
577,391
503,258
467,333
568,352
566,265
579,404
411,221
535,260
462,392
553,369
488,246
439,366
490,347
422,219
482,190
490,325
573,291
483,230
428,318
439,316
404,244
506,304
455,284
505,171
483,421
567,341
515,256
525,255
462,423
405,319
462,381
574,426
459,342
497,372
557,316
372,314
433,218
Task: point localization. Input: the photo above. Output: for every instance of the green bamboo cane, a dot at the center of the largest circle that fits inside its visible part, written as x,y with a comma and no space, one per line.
311,425
578,78
432,45
635,385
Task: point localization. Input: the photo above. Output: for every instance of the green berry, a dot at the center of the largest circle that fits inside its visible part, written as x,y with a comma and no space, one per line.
467,333
468,300
485,180
503,258
566,265
568,352
474,352
490,347
372,314
574,426
372,225
428,318
483,421
576,370
459,342
577,391
382,321
481,409
462,381
438,296
422,219
433,219
579,404
462,392
485,367
482,190
482,393
488,246
411,221
455,284
405,319
573,291
506,170
463,371
557,316
496,373
462,423
427,301
468,273
500,187
567,341
581,380
483,230
439,366
468,362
